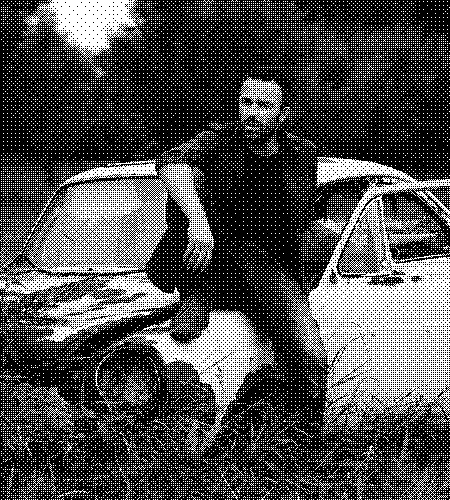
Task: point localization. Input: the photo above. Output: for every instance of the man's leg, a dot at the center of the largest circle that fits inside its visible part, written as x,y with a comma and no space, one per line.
163,266
193,316
219,286
281,312
284,402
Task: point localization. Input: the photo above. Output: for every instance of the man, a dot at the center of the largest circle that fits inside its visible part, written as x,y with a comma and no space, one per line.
240,210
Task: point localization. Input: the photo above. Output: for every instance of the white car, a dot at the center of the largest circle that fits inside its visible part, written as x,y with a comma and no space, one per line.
383,300
77,299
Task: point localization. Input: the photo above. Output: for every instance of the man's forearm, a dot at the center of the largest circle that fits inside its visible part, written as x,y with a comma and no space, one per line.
179,181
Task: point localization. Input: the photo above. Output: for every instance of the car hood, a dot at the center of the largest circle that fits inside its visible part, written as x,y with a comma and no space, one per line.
39,310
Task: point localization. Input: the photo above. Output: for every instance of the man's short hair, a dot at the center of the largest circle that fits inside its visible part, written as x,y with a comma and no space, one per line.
280,75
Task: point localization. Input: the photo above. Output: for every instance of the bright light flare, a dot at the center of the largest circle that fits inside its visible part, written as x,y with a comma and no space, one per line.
32,20
91,24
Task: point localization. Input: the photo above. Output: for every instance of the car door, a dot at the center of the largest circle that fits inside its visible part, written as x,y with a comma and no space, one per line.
382,303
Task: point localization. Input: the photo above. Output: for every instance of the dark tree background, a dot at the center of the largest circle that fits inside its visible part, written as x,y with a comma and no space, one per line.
371,83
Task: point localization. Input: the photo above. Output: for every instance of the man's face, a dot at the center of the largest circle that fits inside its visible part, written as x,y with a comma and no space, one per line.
260,109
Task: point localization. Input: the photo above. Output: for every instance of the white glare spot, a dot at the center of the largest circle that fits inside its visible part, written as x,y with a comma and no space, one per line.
32,20
90,25
98,72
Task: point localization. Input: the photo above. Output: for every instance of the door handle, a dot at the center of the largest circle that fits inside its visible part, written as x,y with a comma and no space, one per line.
388,279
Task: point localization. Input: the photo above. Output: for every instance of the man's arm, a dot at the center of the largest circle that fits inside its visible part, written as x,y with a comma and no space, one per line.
179,181
175,171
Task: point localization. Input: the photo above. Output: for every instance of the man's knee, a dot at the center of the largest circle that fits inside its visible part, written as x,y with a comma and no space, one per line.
309,330
303,346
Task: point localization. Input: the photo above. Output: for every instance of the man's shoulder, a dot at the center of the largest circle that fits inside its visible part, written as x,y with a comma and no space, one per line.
207,141
300,144
222,128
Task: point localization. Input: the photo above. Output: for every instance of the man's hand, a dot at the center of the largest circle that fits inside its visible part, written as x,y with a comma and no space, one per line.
200,246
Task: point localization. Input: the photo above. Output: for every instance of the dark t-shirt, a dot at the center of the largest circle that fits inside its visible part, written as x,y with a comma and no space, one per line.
251,199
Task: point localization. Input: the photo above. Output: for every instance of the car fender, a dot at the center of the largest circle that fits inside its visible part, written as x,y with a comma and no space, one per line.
222,356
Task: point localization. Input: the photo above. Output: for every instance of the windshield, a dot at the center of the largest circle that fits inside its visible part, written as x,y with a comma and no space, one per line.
100,225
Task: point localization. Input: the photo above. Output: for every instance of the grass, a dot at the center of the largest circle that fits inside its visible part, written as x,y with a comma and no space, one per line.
52,450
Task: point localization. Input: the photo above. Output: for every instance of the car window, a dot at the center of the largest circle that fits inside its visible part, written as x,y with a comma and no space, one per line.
414,230
364,252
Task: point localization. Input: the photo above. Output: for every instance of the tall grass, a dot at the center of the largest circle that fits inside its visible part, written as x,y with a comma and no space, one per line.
53,450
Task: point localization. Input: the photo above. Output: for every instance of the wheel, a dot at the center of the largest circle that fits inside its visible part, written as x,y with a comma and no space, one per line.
129,378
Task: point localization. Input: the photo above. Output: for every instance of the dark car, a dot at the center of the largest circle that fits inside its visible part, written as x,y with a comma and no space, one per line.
80,313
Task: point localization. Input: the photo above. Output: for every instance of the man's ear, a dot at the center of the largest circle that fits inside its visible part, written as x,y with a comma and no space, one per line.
284,114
